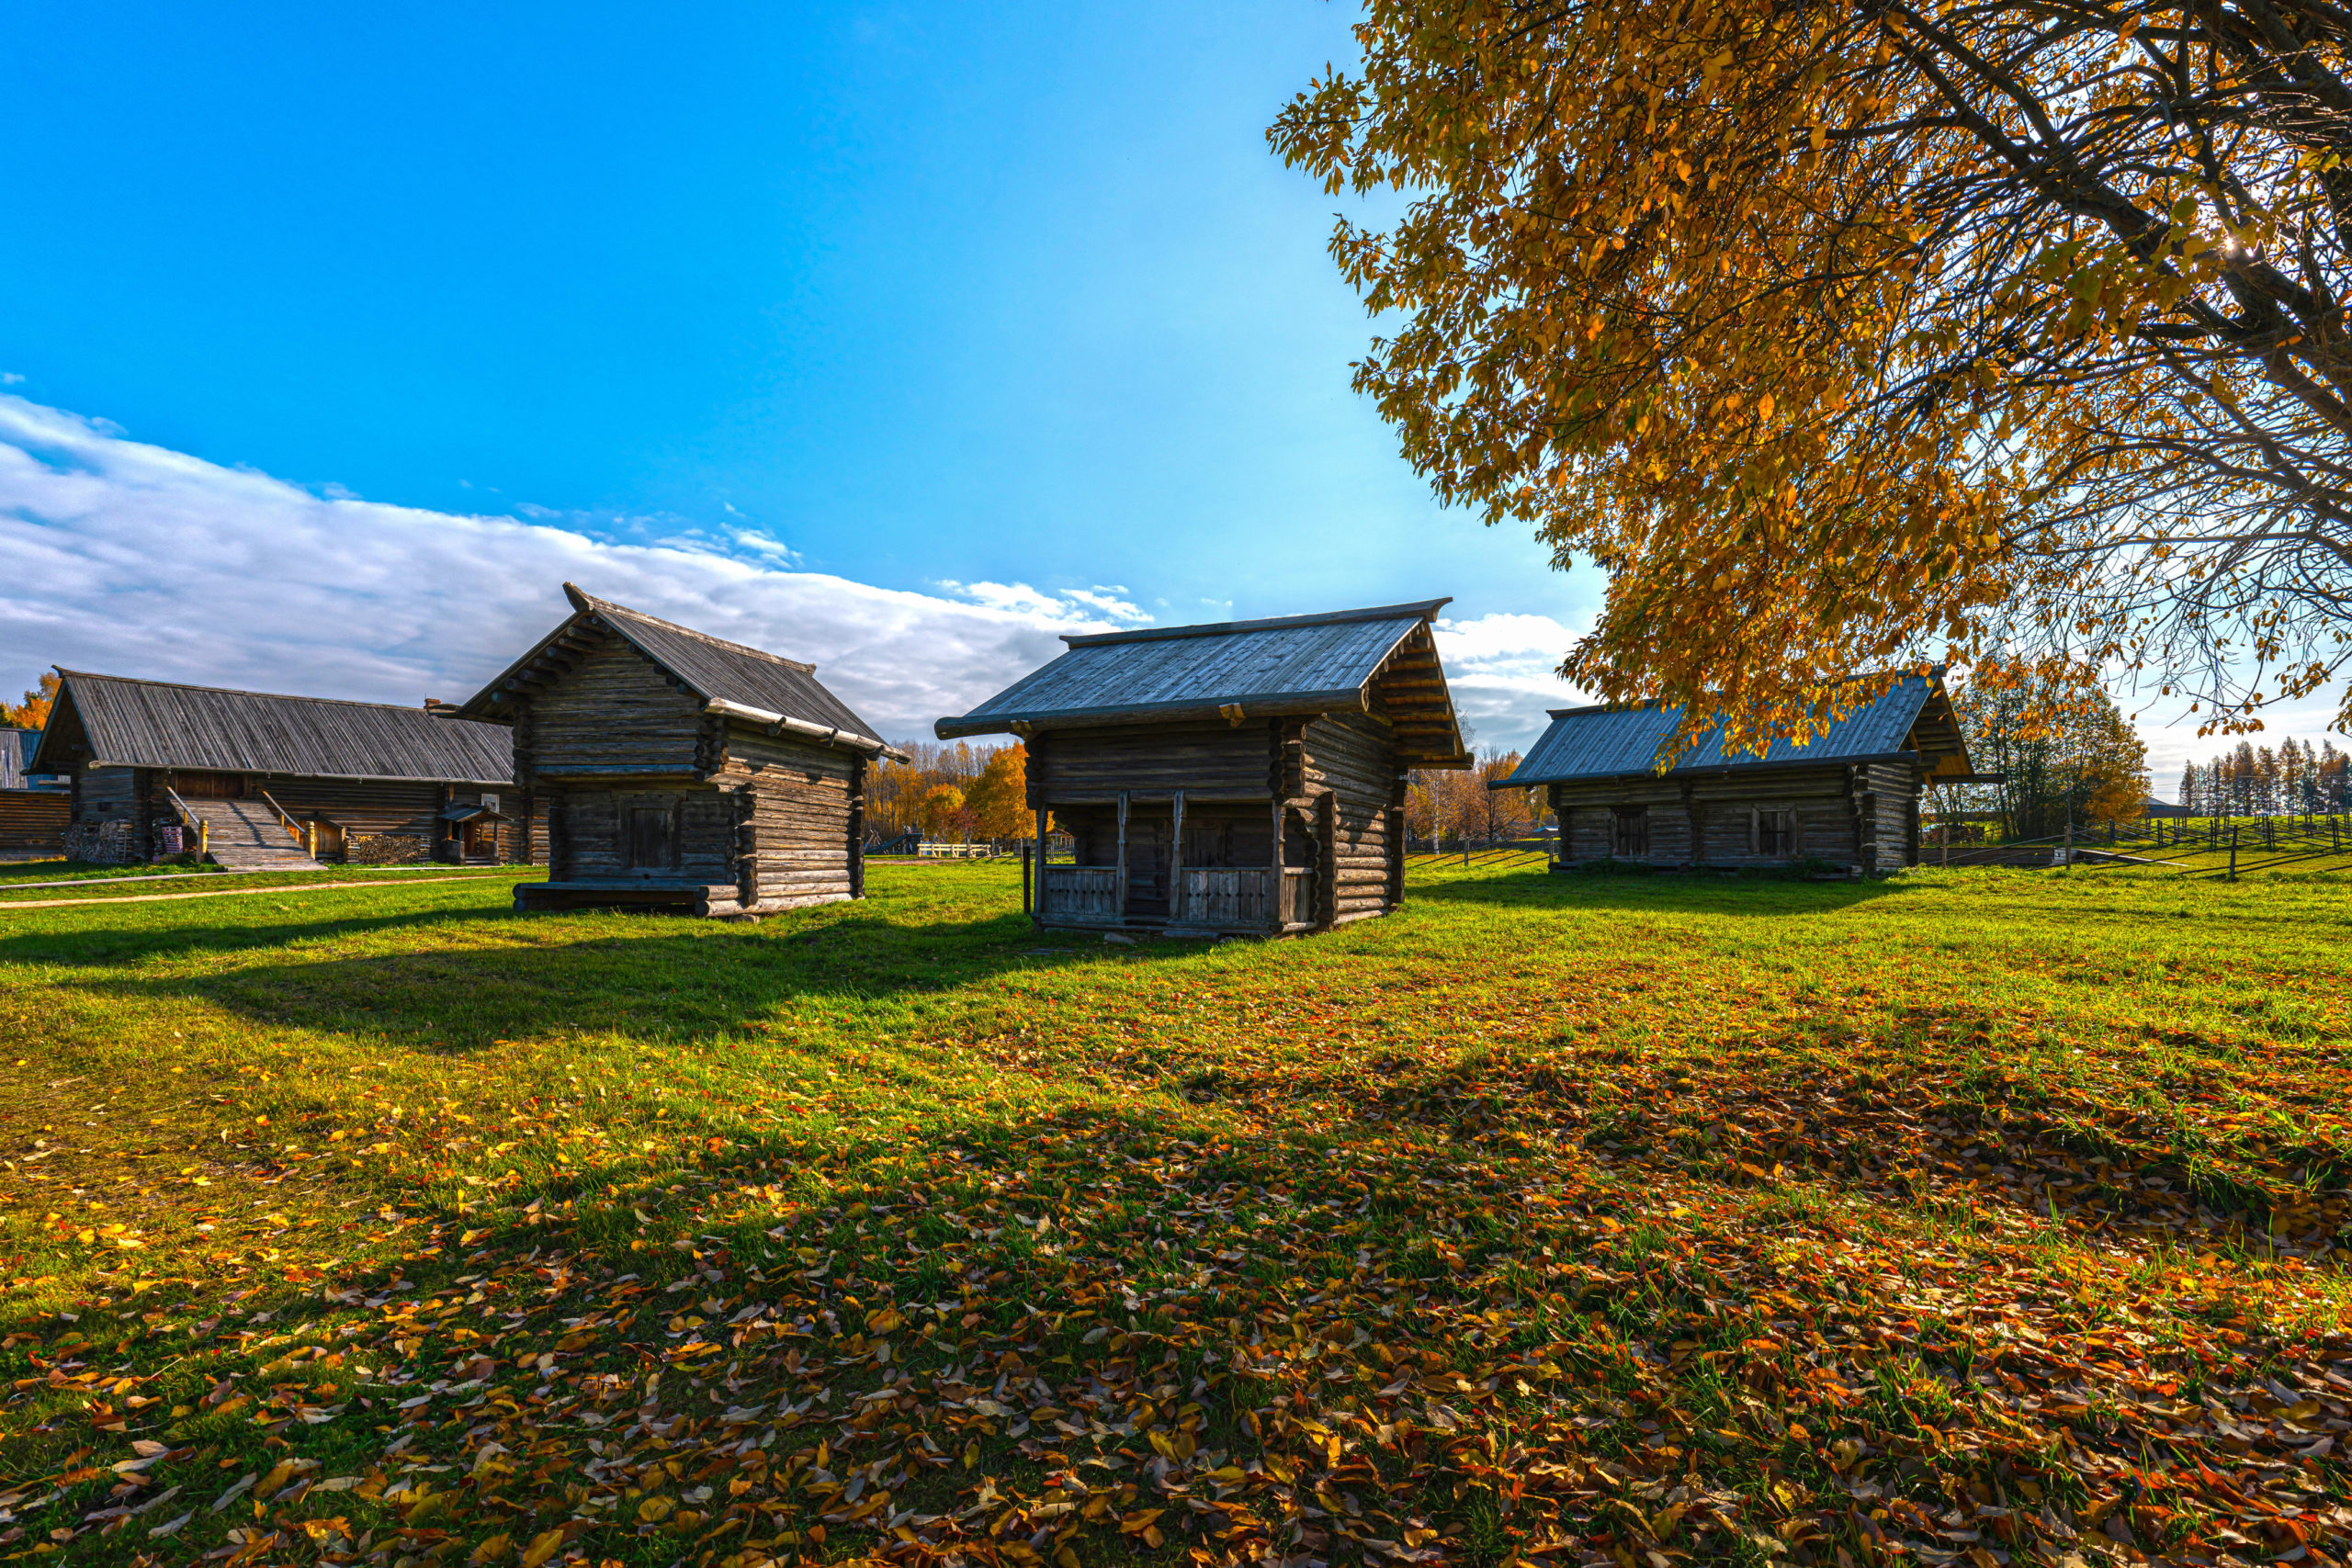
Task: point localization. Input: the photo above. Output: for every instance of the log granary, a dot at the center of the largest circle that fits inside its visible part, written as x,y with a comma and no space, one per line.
683,773
1244,778
1846,798
255,780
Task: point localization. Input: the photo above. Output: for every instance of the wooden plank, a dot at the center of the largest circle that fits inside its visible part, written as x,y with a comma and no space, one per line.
1122,863
1040,909
1176,861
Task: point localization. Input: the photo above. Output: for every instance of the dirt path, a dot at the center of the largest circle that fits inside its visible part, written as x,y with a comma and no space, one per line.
232,892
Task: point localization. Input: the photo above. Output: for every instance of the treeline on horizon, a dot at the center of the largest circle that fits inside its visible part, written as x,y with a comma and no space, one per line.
2256,780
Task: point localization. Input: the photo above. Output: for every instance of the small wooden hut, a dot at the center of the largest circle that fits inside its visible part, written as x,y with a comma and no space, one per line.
256,780
1245,778
33,814
1849,797
683,773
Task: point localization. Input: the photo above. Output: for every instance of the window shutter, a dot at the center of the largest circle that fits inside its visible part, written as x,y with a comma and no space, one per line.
1754,844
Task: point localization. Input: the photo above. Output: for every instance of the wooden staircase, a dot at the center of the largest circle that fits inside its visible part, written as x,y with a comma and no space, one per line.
246,835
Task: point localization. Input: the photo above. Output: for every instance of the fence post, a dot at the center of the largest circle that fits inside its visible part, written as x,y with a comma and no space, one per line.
2233,852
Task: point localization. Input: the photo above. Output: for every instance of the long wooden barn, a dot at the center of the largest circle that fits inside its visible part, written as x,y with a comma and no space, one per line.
1242,778
1848,797
681,772
258,779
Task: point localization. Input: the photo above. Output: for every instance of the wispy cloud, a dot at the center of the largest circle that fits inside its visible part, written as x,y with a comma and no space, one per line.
1094,609
126,558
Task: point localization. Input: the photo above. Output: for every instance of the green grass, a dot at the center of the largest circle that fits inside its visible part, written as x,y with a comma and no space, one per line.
1554,1217
16,870
202,881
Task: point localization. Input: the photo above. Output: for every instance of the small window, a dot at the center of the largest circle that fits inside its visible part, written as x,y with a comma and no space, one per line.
490,802
1773,830
1628,837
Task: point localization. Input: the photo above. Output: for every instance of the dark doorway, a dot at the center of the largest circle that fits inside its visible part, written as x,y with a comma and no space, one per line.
1148,866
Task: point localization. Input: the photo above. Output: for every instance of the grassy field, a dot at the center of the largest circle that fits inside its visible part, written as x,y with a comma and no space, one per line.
21,883
1995,1216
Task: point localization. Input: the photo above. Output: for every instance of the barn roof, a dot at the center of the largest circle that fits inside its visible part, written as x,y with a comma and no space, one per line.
745,681
1381,659
119,721
1911,716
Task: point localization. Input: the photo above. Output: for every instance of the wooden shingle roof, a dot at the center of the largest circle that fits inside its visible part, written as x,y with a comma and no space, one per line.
1912,715
745,683
119,721
1381,660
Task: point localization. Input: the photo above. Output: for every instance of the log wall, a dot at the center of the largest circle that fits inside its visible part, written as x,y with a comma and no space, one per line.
614,713
1863,816
1208,762
590,827
34,819
800,802
1353,757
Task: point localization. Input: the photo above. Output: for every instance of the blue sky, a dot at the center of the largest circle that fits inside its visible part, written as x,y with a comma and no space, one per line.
921,292
763,316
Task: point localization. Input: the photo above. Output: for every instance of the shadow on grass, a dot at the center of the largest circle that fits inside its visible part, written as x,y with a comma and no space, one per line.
1701,893
644,976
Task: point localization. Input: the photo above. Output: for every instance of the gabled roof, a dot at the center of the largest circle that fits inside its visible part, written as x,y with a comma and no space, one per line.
727,677
1911,716
1381,659
159,723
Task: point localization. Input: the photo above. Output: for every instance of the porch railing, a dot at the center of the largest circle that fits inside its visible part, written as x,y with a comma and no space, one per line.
1081,893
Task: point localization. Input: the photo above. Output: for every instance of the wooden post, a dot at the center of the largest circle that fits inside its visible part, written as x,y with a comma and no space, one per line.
1326,859
858,827
1395,841
1120,897
1176,863
1028,902
1039,911
203,838
1281,884
2070,842
2233,852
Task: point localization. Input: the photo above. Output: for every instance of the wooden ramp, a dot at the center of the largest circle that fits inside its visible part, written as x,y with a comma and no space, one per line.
245,835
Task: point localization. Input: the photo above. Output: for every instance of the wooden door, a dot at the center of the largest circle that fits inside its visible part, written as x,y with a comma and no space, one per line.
482,839
208,787
330,838
647,843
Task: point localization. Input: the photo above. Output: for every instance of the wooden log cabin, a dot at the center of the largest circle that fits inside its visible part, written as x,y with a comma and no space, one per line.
256,780
681,772
1847,798
33,810
1244,778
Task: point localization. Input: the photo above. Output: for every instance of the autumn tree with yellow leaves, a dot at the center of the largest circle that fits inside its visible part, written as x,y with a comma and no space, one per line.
33,712
1854,337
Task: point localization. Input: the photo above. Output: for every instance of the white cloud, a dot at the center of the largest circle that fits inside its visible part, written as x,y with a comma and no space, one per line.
1073,609
761,544
133,559
1503,670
